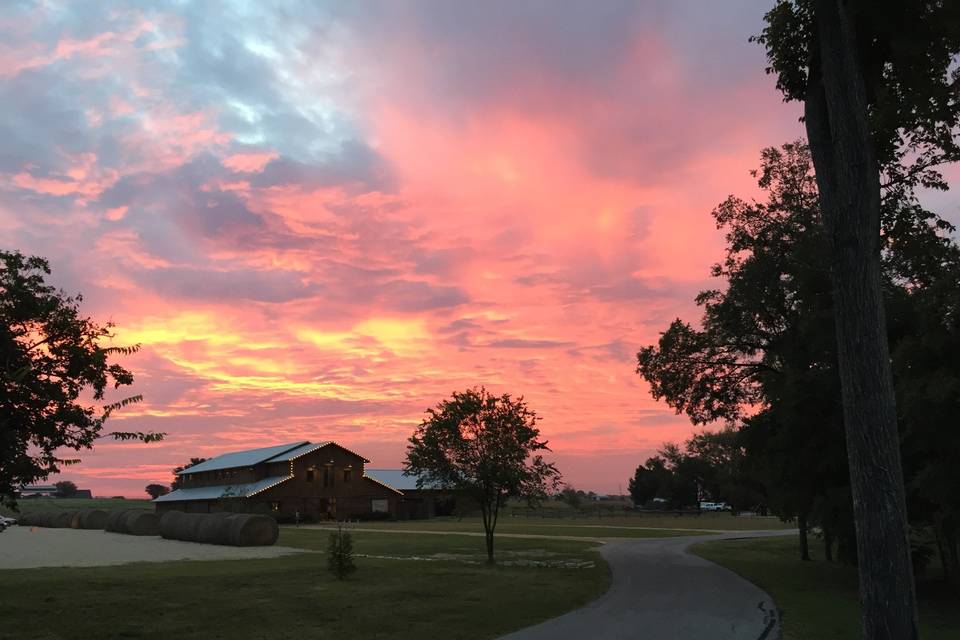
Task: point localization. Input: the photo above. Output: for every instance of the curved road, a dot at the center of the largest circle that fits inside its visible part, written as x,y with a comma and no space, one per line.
660,592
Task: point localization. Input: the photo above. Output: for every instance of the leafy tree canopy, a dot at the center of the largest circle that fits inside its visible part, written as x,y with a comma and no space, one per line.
65,489
484,447
156,490
55,369
907,53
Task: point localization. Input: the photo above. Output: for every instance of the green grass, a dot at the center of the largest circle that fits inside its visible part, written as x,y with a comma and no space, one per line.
819,599
34,505
469,549
295,597
630,527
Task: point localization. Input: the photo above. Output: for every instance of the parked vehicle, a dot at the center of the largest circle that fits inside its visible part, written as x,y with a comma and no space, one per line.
714,506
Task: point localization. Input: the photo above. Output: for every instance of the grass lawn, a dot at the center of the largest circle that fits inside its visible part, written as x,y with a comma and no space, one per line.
33,505
819,599
629,527
295,597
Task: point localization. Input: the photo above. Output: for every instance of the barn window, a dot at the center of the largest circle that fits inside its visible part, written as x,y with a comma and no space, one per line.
274,506
380,506
346,474
310,474
327,476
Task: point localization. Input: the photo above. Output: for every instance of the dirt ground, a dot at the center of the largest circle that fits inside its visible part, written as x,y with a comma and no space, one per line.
31,547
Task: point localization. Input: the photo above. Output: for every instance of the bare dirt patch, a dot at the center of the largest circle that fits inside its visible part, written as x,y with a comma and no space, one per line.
31,547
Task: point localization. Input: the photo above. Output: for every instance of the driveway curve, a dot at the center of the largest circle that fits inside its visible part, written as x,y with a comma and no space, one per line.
661,592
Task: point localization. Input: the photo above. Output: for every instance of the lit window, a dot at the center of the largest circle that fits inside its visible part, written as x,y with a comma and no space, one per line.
275,506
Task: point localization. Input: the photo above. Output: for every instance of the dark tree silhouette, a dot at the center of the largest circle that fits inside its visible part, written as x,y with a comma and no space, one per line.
156,490
65,489
50,358
485,448
880,103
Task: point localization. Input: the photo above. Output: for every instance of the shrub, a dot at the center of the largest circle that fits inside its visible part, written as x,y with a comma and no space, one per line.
340,553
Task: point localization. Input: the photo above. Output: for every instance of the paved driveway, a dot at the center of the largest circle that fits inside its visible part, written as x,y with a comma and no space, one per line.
660,592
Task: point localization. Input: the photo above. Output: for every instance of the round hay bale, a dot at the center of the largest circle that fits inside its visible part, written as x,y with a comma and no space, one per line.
75,519
141,523
62,519
251,530
211,528
115,521
93,519
177,525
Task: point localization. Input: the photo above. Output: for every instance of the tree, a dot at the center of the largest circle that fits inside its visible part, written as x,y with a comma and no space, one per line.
157,490
176,478
767,341
483,447
571,497
65,489
879,88
51,359
340,553
644,484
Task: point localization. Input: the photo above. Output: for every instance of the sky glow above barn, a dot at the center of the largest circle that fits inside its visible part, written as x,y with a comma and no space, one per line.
319,220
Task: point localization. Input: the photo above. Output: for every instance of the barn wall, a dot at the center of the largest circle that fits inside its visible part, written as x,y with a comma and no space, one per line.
336,489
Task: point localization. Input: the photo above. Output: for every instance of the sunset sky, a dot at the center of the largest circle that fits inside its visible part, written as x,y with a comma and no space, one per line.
320,220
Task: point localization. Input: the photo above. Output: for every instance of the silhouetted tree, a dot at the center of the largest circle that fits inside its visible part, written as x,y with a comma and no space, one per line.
65,489
176,479
879,85
156,490
646,482
767,341
484,447
50,358
571,497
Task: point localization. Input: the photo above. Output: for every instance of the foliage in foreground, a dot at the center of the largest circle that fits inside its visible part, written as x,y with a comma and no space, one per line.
767,341
51,357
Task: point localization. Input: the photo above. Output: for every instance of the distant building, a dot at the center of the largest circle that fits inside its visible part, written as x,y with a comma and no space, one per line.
425,502
317,480
50,491
38,491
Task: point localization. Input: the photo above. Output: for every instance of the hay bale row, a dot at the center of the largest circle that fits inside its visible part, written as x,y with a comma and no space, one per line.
234,529
133,522
90,519
51,519
81,519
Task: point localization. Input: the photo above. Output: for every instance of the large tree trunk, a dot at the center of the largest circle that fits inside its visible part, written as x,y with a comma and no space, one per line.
804,529
827,544
849,183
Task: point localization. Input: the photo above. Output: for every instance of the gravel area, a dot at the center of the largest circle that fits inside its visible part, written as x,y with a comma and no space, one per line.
31,547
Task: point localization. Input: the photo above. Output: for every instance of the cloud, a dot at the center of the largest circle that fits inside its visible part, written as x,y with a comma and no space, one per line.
323,218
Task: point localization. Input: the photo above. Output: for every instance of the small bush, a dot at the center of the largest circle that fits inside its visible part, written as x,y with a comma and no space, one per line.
340,553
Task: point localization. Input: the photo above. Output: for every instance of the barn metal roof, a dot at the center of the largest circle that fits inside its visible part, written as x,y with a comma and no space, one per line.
394,478
246,458
222,491
302,450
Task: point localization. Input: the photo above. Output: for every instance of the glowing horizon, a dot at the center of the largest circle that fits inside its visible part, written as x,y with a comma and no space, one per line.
320,221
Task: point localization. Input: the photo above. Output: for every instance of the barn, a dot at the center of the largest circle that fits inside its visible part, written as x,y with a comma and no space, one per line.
417,502
321,480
